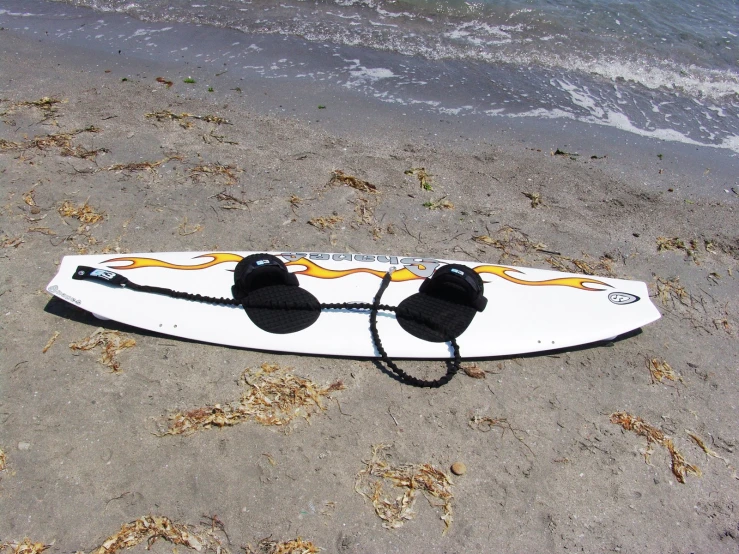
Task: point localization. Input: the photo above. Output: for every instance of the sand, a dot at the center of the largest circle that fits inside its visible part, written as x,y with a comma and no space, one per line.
553,473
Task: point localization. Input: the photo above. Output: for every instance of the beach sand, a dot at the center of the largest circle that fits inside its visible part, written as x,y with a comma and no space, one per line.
553,473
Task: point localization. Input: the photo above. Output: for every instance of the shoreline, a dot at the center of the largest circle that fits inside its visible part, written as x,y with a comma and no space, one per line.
81,442
291,78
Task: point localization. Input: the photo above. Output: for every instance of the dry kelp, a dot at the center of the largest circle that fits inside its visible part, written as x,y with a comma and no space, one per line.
323,222
424,177
142,166
26,546
338,177
274,396
660,369
408,478
46,104
50,342
535,198
215,169
512,242
670,290
440,204
680,468
85,213
295,546
168,115
486,424
62,141
709,452
3,460
113,342
152,528
586,266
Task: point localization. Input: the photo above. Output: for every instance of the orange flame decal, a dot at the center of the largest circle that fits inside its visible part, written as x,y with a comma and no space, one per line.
315,270
136,263
574,282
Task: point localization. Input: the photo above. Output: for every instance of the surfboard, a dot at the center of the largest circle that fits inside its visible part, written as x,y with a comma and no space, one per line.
528,310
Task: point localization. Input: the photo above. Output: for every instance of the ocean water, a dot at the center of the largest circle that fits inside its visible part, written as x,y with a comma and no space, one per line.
667,69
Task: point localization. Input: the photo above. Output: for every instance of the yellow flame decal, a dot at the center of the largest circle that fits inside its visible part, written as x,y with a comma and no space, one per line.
574,282
315,270
136,263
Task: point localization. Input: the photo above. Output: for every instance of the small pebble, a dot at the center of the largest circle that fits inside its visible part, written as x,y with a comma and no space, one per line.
458,468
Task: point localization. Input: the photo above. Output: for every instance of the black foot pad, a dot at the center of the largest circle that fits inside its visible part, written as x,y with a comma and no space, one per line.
432,318
291,309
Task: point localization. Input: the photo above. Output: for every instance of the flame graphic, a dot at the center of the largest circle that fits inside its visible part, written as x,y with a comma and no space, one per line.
575,282
315,270
136,263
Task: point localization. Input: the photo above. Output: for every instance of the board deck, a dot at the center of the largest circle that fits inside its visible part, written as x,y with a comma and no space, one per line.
529,310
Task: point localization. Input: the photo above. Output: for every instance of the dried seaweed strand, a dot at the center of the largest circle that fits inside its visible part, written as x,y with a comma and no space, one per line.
709,452
152,528
660,369
166,114
680,468
113,342
294,546
26,546
410,478
275,396
50,342
341,178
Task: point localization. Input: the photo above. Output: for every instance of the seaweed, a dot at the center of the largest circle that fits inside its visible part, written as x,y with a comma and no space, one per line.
142,166
440,204
680,468
424,177
659,369
47,104
62,141
151,528
535,198
184,229
50,342
324,222
341,178
410,479
85,213
216,169
168,115
26,546
294,546
113,343
274,397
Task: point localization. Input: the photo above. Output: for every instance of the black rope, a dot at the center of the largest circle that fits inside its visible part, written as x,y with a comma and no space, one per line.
452,368
374,308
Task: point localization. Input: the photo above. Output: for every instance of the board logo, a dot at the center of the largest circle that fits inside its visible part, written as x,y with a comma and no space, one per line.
623,298
102,274
53,289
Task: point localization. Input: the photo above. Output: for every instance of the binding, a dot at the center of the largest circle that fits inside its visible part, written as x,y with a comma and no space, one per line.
258,271
458,284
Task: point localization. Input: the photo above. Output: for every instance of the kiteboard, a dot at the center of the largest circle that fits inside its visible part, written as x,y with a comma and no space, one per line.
515,311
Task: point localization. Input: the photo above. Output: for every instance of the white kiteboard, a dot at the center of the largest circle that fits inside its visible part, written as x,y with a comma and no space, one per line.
528,310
